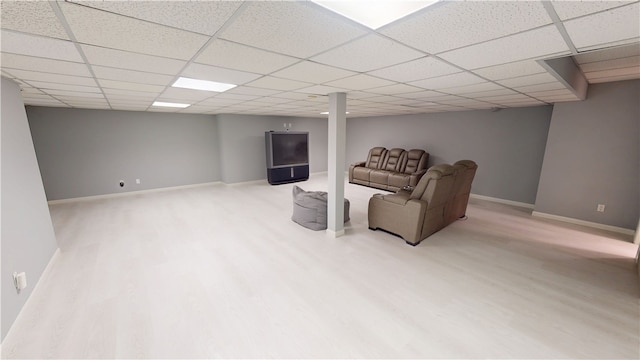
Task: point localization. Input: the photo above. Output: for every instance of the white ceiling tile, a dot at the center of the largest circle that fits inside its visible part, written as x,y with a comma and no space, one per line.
467,103
359,82
38,96
531,44
227,95
28,90
109,73
58,86
611,64
506,98
613,78
218,74
129,102
33,17
483,94
124,85
467,89
293,96
571,9
215,102
205,17
129,94
240,57
541,78
274,83
321,90
132,61
423,68
312,72
361,95
44,102
291,28
247,90
368,53
273,100
596,30
52,78
395,89
608,54
22,44
551,93
195,109
12,61
456,24
541,87
185,94
75,96
424,94
510,70
126,107
613,73
121,32
448,81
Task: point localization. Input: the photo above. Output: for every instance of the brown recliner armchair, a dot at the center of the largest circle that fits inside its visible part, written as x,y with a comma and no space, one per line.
417,214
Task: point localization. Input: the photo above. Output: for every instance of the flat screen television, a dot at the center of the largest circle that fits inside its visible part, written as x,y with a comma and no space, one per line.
287,148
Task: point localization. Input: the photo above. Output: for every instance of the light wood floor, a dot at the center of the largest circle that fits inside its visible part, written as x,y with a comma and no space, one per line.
221,271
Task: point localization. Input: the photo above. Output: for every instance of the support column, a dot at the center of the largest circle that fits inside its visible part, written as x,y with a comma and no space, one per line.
336,163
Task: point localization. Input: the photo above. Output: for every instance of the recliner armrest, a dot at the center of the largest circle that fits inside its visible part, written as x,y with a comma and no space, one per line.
359,163
419,173
397,198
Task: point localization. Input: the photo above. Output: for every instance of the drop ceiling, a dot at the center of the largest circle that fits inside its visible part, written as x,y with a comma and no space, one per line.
286,56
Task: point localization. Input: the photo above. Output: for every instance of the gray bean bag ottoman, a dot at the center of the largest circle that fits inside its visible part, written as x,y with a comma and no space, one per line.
310,208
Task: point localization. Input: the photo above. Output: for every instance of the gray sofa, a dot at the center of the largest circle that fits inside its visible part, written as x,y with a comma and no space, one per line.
390,169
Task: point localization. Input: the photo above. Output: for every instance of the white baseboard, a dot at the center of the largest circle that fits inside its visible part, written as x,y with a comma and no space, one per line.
129,193
44,274
502,201
584,223
335,234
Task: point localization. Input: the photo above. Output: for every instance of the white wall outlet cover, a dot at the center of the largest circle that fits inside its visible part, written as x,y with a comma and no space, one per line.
20,280
137,181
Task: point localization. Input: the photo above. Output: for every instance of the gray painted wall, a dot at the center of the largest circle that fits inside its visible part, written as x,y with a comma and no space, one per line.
242,148
593,157
28,240
508,145
87,152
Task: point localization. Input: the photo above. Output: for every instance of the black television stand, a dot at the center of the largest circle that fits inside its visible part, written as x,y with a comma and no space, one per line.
287,174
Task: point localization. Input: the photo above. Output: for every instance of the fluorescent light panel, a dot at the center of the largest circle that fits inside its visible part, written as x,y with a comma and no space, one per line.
169,104
374,14
206,85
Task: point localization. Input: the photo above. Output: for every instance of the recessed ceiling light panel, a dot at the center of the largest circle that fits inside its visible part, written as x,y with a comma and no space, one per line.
206,85
169,104
374,14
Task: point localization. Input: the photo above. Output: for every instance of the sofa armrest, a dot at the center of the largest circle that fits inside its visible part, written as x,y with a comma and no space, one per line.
353,166
399,198
415,177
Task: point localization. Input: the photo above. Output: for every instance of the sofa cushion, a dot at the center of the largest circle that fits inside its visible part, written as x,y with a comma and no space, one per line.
416,161
376,157
395,160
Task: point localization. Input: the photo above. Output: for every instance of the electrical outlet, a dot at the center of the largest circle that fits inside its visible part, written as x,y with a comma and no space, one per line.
20,281
600,208
137,181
